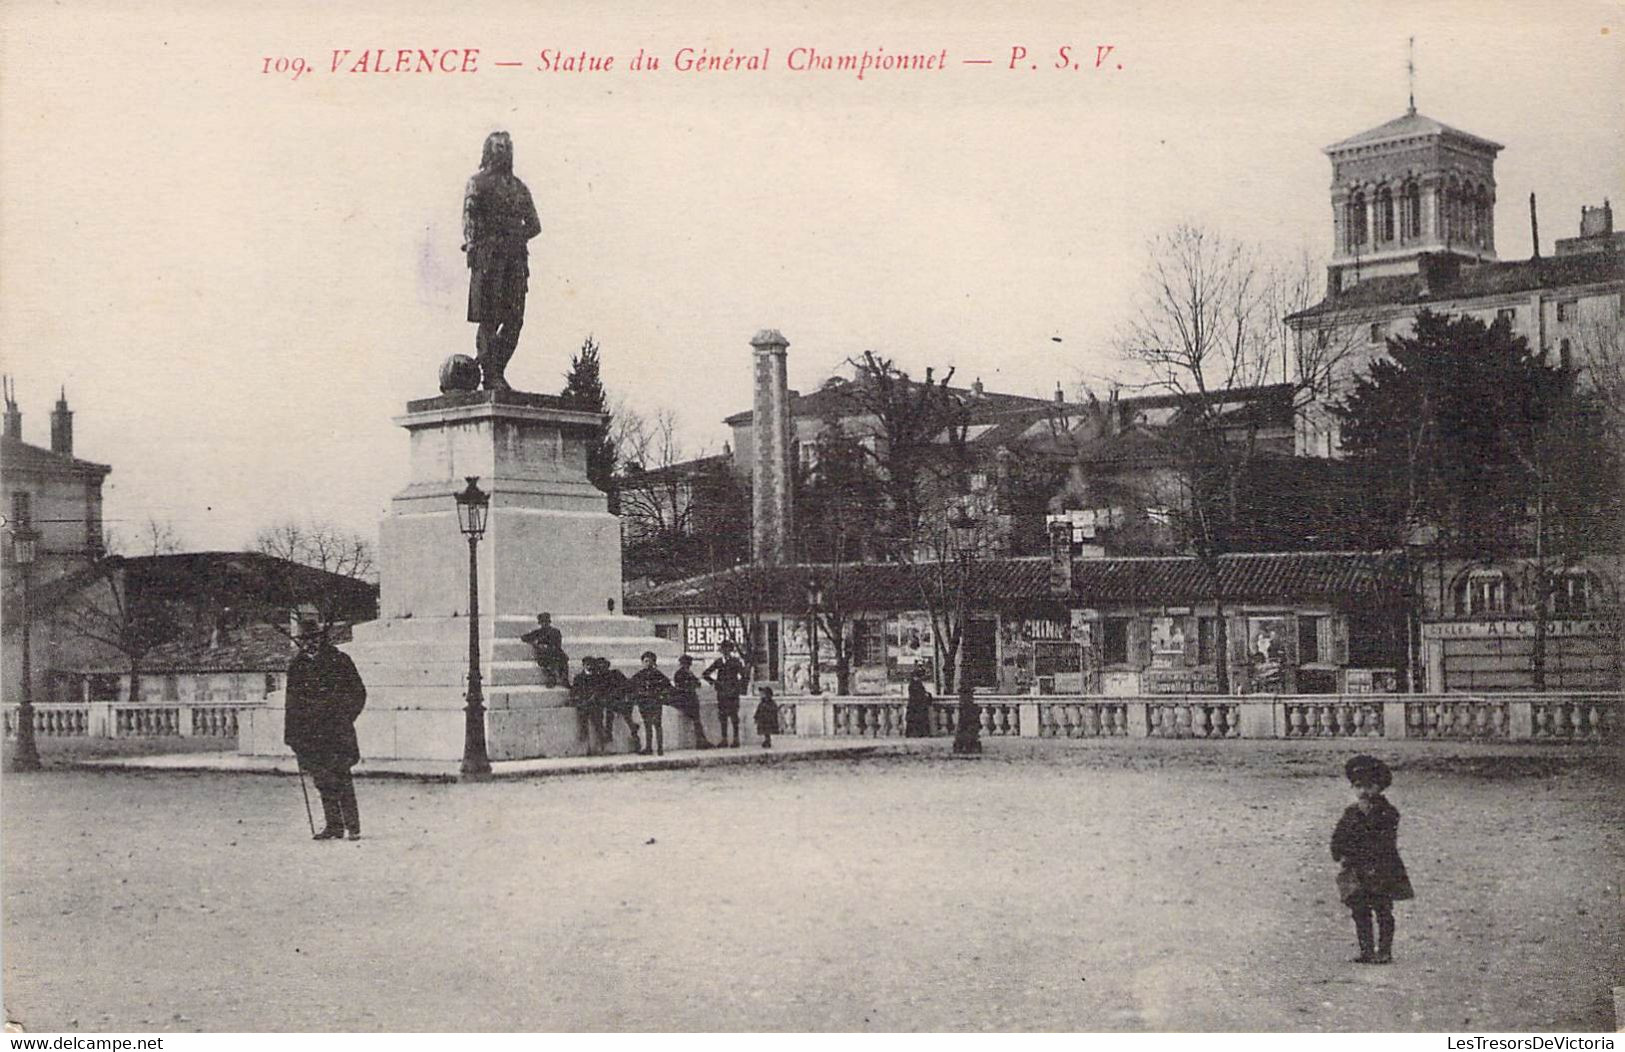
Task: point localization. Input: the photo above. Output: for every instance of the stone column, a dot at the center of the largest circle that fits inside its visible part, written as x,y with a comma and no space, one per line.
772,509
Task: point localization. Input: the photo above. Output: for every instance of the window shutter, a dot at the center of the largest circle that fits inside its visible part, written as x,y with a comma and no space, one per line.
1139,642
1340,639
1237,627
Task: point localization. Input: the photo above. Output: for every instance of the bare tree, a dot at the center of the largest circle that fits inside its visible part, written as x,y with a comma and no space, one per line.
280,589
106,611
919,438
1598,354
153,537
1209,330
654,502
319,544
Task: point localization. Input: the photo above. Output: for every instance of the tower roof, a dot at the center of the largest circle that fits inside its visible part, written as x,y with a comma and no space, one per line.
1407,126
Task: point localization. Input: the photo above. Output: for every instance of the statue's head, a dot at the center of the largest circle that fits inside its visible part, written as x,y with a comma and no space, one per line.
498,154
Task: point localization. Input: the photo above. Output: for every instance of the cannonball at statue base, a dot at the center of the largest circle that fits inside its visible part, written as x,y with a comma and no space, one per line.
550,545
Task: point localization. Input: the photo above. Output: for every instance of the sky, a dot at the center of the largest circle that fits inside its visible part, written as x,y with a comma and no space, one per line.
240,277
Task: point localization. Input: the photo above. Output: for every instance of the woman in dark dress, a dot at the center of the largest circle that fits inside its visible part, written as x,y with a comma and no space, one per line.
1366,842
917,716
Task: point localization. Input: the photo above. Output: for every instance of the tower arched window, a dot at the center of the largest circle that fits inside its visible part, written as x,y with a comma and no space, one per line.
1410,211
1481,218
1354,220
1385,215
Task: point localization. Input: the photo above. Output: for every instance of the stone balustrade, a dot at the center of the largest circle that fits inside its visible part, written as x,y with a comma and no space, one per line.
1336,717
1082,719
122,719
1555,717
1565,717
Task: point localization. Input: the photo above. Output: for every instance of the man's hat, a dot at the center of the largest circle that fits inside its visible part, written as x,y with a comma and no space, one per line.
1368,772
686,659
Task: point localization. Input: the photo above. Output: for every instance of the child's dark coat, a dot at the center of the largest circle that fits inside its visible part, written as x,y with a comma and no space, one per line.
1368,846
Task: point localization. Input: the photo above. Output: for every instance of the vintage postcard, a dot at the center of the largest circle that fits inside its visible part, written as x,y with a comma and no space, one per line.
801,517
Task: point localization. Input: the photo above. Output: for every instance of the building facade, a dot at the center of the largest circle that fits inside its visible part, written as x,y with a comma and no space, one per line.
59,497
1485,625
1322,622
1413,226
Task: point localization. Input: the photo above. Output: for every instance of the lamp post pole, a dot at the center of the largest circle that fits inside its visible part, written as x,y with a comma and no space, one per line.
968,718
813,602
472,505
26,755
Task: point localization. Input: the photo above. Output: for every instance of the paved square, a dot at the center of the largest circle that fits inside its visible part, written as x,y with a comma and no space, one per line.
1152,886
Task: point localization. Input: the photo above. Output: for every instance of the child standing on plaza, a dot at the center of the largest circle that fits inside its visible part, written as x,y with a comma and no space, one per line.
767,717
652,690
1366,842
616,691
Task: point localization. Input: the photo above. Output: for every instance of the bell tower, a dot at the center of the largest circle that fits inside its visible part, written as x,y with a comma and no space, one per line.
1409,187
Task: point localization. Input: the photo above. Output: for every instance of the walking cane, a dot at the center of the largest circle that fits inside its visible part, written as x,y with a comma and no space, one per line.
308,816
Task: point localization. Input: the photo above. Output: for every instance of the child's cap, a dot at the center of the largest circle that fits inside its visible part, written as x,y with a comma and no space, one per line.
1368,772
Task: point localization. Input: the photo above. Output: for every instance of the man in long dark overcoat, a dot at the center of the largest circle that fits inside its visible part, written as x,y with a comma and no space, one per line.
499,217
324,696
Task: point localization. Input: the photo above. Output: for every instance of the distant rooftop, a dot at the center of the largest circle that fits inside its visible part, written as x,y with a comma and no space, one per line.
1407,126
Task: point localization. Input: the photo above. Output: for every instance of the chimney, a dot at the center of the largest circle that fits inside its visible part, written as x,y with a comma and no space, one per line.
62,426
1060,396
1596,221
14,416
1534,225
772,512
976,388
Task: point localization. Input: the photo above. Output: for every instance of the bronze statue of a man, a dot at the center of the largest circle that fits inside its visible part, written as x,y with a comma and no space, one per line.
498,219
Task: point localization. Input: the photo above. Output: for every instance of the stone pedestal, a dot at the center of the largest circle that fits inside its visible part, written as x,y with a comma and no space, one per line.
550,545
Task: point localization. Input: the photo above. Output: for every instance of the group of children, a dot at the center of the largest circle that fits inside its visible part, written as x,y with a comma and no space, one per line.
602,692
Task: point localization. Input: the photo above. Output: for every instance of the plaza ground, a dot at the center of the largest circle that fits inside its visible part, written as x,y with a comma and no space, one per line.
1048,886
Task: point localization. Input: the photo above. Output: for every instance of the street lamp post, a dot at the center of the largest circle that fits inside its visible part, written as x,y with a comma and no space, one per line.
968,720
815,599
26,755
473,505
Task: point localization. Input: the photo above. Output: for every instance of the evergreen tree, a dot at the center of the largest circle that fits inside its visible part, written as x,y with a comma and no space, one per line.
1451,432
584,390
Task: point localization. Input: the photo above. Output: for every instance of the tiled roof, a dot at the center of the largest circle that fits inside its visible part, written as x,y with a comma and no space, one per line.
1474,282
17,455
1407,126
1266,577
1269,577
681,472
252,648
840,399
192,577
